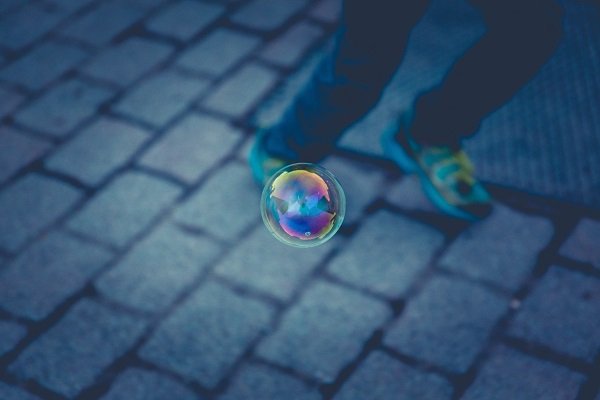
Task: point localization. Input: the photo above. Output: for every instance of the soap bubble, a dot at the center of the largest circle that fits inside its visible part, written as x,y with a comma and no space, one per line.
303,205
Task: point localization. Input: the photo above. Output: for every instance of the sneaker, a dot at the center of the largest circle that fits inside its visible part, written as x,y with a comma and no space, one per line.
263,165
446,173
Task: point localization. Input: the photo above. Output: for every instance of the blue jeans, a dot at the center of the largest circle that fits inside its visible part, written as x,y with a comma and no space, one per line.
370,44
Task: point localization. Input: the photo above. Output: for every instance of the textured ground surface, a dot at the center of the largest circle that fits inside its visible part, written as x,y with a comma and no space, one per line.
133,264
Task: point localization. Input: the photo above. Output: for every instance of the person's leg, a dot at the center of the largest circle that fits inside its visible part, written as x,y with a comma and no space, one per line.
521,37
369,45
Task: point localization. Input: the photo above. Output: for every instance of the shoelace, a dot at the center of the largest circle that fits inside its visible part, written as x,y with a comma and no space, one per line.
450,169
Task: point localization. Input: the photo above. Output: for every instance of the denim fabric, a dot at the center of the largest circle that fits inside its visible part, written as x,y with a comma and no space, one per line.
370,44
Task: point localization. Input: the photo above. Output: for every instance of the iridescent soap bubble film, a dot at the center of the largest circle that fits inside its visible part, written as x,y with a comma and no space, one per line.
303,205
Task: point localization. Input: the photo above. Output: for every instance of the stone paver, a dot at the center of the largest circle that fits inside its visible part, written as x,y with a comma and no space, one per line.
360,184
191,147
72,354
562,313
260,382
138,384
24,25
12,393
102,23
223,194
583,244
31,204
380,377
280,272
501,250
387,254
98,150
447,324
204,337
408,194
47,273
156,270
9,100
42,65
342,320
184,19
124,208
157,100
512,375
10,334
62,108
125,200
128,61
219,51
267,15
289,48
253,80
18,151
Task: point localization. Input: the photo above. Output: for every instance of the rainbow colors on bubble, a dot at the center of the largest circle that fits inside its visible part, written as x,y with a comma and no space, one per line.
303,205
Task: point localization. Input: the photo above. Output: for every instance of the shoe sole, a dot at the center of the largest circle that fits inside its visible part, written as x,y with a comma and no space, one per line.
400,156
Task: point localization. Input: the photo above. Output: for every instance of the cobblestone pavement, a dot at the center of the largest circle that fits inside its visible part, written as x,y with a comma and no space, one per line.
134,265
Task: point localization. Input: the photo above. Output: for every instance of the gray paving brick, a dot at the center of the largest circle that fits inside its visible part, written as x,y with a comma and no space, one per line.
42,65
17,151
260,382
501,250
562,313
9,99
447,324
31,204
583,244
219,51
387,254
124,208
408,194
156,270
62,108
24,25
288,49
266,14
98,151
207,334
102,23
10,334
280,273
47,273
11,393
72,354
512,375
191,147
138,384
380,377
361,185
324,331
184,19
158,99
327,10
232,199
252,80
128,61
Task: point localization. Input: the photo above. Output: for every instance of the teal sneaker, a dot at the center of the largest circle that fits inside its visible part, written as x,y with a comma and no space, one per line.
262,164
446,174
